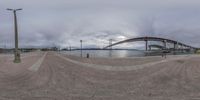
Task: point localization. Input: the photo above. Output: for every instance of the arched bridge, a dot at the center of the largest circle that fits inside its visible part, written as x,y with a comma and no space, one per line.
163,40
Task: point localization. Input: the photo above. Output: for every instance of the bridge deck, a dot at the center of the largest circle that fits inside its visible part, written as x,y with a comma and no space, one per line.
146,39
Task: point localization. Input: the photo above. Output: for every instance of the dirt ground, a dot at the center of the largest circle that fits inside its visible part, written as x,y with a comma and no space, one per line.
59,79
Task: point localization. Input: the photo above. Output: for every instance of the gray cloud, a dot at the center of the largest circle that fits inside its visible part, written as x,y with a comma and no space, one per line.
66,22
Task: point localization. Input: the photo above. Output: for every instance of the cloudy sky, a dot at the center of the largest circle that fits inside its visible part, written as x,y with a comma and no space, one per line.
66,22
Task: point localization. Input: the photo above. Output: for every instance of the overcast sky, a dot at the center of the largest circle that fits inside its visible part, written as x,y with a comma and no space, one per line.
66,22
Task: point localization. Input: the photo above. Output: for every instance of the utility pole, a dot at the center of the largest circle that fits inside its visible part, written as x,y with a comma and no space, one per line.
81,41
16,52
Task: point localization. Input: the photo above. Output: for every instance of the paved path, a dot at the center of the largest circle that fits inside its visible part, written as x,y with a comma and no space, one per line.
57,78
37,65
123,68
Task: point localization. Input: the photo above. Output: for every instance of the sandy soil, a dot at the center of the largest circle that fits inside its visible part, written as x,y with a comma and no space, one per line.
59,79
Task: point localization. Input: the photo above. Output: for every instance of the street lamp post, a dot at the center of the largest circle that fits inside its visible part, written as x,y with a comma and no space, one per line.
17,53
81,41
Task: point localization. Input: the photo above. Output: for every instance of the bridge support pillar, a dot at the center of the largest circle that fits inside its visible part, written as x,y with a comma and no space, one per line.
175,47
165,44
182,48
146,45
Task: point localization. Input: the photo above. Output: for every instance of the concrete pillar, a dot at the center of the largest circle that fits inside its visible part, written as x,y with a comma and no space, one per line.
165,44
146,45
182,48
17,52
175,47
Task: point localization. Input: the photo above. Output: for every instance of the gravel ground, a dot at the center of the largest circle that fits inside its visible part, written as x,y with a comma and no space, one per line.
59,79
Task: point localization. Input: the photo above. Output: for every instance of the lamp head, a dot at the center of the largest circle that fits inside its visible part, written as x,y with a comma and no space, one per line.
18,9
9,9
